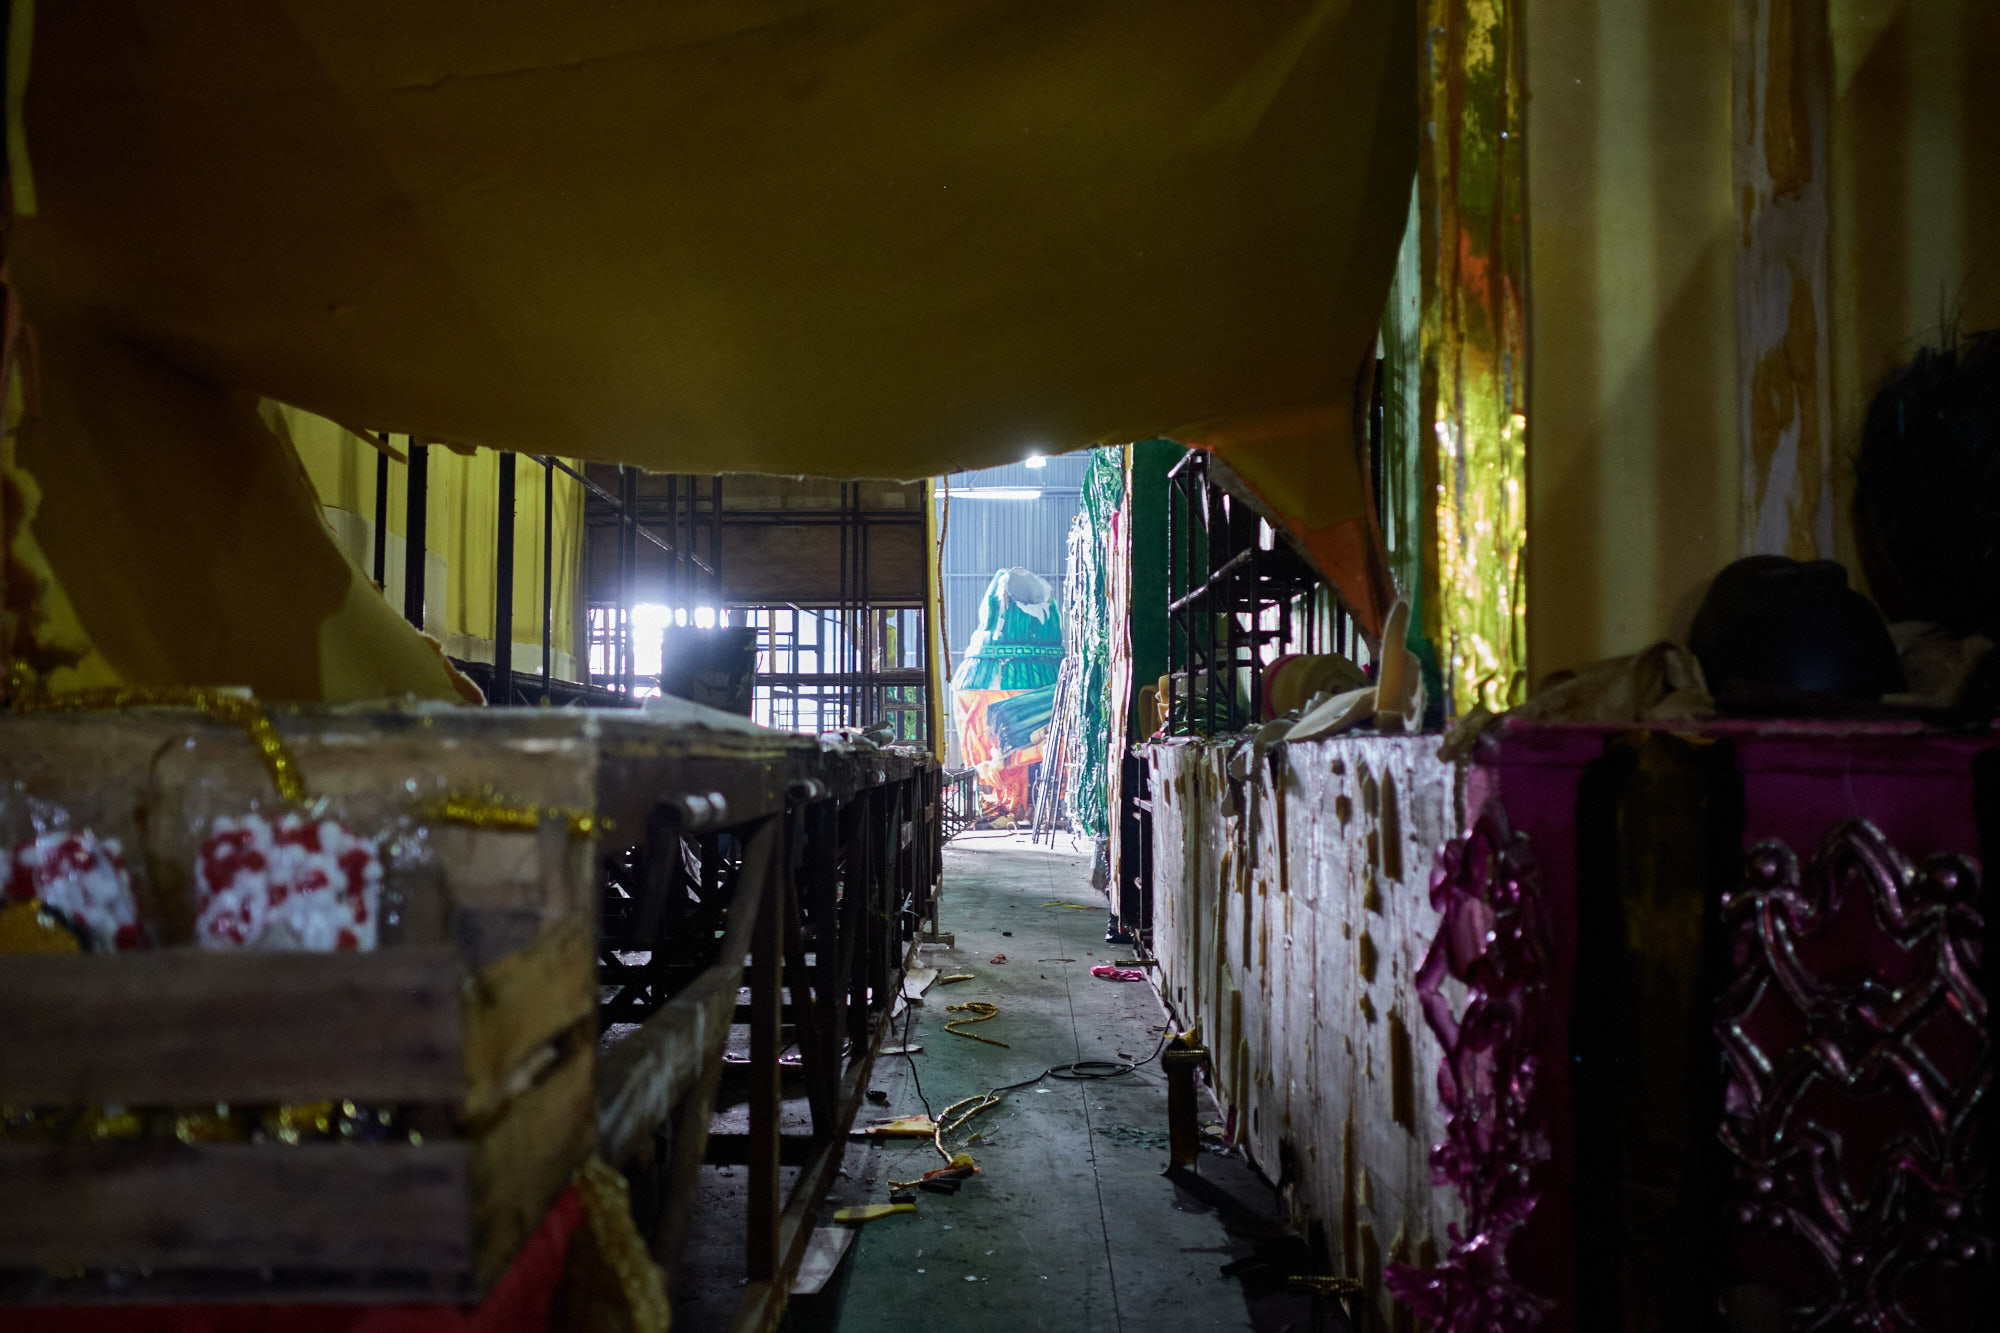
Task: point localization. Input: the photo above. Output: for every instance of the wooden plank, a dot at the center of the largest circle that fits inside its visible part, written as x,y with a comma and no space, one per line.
642,1078
519,1004
523,1162
763,1303
237,1205
682,1176
733,1149
187,1027
822,1074
824,1253
646,1074
773,885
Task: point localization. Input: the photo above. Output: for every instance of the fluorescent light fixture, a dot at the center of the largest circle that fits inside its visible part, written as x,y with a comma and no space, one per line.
1036,460
999,493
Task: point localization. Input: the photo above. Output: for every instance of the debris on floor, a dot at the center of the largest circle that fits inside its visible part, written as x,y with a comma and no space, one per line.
977,1011
1043,1159
960,1168
828,1246
956,976
869,1212
999,958
908,1127
1110,973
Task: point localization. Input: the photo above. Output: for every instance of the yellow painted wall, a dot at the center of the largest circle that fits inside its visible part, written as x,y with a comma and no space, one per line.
1633,472
1915,192
461,532
1636,478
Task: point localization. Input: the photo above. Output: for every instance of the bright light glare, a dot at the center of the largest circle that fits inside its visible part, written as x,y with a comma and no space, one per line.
999,493
1036,460
650,620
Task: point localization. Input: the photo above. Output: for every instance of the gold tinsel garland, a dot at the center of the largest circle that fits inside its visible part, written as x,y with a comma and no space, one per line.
27,695
485,810
607,1215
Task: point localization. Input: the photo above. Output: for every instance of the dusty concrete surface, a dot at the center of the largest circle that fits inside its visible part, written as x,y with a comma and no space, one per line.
1070,1224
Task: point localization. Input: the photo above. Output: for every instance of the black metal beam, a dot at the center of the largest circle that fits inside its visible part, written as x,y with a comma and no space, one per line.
382,515
620,507
628,575
548,573
503,588
414,534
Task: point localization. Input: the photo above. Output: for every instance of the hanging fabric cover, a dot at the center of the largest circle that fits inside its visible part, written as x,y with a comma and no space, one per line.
846,238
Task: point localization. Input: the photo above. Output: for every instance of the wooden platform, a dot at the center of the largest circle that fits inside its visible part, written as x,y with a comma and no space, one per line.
812,866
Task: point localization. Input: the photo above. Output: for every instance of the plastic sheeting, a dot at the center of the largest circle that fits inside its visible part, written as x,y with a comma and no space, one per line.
461,536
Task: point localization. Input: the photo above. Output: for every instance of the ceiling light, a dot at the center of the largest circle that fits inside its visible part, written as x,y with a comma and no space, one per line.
1036,460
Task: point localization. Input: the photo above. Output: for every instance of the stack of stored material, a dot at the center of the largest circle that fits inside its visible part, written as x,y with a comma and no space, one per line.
378,1096
325,1018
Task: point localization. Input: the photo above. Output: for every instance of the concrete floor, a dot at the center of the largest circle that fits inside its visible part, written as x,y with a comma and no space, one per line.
1070,1223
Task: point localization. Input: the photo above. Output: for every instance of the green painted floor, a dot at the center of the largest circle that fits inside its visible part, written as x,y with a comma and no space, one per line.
1070,1224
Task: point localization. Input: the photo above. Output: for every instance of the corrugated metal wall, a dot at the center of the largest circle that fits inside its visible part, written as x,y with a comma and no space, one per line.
985,534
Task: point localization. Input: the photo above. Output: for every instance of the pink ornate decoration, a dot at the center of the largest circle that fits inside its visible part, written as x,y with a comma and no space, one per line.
1494,940
1854,1037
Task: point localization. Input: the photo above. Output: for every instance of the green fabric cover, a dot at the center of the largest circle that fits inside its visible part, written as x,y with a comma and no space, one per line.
1089,629
1019,642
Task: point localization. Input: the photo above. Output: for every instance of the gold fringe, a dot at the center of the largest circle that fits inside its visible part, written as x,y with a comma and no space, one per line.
621,1253
485,810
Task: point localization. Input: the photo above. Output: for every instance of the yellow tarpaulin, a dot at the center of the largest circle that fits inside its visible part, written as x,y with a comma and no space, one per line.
461,535
843,238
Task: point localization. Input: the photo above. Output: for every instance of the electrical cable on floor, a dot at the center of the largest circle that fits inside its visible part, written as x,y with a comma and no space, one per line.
1082,1071
910,1017
975,1011
1087,1070
1079,1071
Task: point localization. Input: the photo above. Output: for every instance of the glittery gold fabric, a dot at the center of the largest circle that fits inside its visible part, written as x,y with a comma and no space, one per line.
620,1253
26,927
1474,333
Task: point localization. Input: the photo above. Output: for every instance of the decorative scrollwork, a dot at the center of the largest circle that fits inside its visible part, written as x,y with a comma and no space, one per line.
1857,1059
1492,938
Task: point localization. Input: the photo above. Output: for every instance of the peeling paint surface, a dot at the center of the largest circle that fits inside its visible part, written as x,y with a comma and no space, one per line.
1295,944
1783,65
